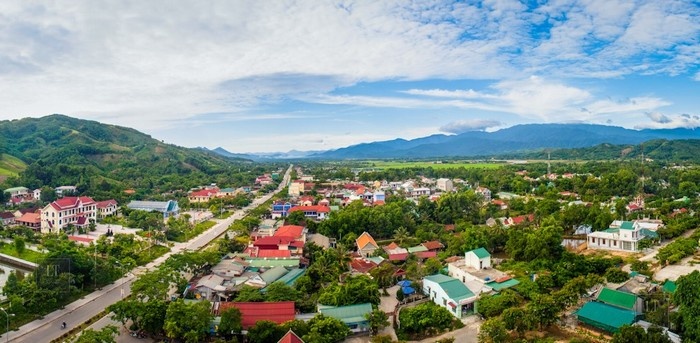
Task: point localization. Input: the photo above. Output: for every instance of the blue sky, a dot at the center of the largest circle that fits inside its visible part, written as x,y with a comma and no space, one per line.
261,76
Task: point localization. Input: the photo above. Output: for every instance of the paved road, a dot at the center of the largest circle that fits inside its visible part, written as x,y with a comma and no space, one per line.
48,328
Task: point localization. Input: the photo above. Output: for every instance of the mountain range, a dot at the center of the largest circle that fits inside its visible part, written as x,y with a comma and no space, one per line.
517,139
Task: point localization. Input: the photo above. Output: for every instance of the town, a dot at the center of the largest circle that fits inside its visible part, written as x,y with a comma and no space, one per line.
527,251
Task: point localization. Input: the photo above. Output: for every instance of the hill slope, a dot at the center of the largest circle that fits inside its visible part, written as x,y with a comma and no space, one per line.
62,150
514,139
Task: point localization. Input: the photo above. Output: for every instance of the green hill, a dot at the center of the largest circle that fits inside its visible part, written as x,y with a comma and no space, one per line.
60,150
684,150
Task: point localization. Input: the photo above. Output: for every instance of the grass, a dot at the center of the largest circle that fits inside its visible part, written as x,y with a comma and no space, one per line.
27,255
433,164
10,165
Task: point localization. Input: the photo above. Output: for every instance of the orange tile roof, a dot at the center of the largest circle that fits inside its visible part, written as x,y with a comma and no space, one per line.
364,239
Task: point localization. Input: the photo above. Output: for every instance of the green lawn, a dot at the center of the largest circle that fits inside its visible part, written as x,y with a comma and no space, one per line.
27,255
432,164
10,165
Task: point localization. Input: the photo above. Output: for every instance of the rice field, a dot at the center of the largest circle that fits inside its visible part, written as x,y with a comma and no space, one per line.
432,164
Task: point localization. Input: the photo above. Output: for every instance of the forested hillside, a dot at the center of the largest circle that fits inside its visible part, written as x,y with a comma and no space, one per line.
685,150
60,150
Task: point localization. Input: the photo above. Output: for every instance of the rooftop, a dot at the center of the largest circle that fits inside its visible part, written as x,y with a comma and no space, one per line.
606,317
454,288
617,298
351,314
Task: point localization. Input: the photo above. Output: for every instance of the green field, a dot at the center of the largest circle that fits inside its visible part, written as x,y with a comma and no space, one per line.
10,165
432,164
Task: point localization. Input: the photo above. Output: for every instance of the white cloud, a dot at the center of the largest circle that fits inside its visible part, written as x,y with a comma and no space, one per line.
667,121
461,126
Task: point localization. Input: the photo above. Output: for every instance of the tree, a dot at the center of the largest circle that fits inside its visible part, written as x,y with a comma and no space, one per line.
544,310
493,330
19,245
324,329
491,306
279,291
688,300
635,334
516,318
105,335
377,320
426,318
188,321
356,290
401,234
299,327
616,275
231,322
265,331
249,294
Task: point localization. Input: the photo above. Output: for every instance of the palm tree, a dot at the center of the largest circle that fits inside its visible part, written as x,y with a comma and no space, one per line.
401,234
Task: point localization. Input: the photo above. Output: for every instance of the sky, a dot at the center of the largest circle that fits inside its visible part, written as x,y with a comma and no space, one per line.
264,76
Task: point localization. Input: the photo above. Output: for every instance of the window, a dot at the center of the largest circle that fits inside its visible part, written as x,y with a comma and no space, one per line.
603,241
592,239
444,302
614,243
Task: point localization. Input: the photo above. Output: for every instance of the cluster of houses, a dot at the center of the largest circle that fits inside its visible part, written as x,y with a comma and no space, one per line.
207,193
19,195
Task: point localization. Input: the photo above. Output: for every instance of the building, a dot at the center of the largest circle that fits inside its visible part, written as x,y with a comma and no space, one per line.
253,312
604,316
445,185
167,208
290,337
296,188
7,218
354,316
476,272
202,195
208,287
623,300
315,212
626,237
280,209
65,190
450,293
76,211
17,191
485,192
366,244
106,208
30,220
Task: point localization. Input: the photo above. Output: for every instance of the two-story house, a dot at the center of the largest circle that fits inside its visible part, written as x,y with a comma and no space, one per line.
106,208
626,237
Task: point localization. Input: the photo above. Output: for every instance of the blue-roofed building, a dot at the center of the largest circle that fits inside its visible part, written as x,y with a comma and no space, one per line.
167,208
280,209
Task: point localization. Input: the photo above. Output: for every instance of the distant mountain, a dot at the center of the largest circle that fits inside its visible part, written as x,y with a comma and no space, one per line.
264,156
518,138
61,150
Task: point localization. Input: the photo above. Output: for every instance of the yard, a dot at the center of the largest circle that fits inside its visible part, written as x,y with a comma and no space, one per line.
27,254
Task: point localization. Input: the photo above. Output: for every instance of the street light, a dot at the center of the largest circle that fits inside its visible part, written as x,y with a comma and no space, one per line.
7,327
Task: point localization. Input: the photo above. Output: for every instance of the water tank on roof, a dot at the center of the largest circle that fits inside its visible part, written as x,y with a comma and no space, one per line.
487,279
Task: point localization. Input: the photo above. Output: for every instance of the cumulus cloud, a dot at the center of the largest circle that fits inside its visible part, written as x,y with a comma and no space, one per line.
659,117
461,126
668,121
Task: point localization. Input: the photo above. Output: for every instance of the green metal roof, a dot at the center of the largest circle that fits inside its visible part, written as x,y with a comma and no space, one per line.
417,248
649,233
273,274
455,289
617,298
481,253
604,316
269,263
627,225
16,189
669,287
290,278
611,230
351,314
499,286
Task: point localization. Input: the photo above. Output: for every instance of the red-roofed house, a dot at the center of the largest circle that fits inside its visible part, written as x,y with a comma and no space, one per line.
298,233
519,220
202,195
106,208
7,218
398,257
253,312
279,243
433,245
31,220
316,212
76,211
361,265
267,253
290,337
306,200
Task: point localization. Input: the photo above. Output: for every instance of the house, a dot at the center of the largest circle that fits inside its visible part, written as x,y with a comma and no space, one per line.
292,262
290,337
523,219
273,274
30,220
296,188
484,192
419,192
280,209
444,185
22,211
65,190
253,312
17,191
624,300
229,268
7,218
366,244
315,212
106,208
36,194
476,272
450,293
209,286
202,195
76,211
298,233
291,277
604,316
361,265
354,316
626,237
226,192
279,243
167,208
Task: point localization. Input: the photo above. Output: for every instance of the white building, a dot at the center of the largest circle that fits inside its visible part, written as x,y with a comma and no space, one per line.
445,185
476,272
449,293
296,188
106,208
624,237
61,190
76,211
485,192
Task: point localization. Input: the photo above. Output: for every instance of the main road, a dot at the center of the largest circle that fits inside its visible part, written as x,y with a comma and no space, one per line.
80,311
